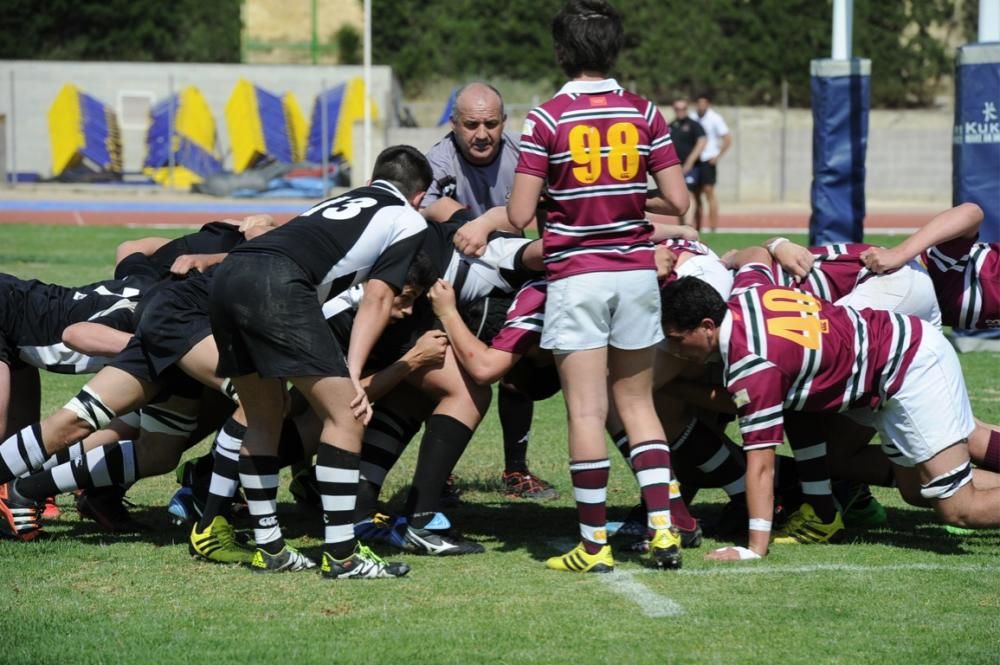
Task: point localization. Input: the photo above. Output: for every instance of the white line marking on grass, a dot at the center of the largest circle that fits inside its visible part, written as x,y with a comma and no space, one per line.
652,604
752,569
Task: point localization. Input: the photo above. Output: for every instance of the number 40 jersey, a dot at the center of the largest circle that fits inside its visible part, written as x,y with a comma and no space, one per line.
595,144
786,349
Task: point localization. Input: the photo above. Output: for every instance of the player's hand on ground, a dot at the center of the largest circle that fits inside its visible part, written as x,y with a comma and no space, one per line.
471,237
881,260
185,263
360,406
429,349
732,554
442,297
796,260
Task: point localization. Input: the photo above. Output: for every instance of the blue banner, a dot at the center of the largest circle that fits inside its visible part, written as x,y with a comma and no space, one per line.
841,99
975,154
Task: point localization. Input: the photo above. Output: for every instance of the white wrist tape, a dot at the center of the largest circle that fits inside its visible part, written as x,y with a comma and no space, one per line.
757,524
774,244
746,554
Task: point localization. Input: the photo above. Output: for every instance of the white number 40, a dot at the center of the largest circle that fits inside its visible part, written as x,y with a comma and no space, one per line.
342,207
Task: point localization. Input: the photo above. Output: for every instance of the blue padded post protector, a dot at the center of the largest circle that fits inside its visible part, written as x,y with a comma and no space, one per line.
975,153
840,105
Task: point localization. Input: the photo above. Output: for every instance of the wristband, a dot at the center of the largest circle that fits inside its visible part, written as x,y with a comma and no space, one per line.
757,524
774,244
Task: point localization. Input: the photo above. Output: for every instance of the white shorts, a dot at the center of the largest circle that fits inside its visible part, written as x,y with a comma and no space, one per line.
909,290
709,269
930,412
597,309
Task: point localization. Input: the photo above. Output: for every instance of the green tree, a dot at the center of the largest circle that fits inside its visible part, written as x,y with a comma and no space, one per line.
130,30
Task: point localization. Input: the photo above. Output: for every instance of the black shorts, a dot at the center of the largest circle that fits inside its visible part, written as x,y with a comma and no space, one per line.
133,361
706,174
173,321
266,318
537,382
486,316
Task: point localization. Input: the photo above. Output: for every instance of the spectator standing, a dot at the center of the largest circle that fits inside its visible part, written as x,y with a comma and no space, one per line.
689,142
718,141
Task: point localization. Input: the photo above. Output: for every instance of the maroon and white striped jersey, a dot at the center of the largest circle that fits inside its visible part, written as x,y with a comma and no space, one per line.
966,276
837,271
783,348
594,144
525,317
678,246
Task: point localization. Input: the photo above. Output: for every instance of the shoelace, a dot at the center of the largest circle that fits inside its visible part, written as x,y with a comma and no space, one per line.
365,552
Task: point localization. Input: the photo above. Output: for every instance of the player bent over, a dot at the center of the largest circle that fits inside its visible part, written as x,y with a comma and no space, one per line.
783,348
268,322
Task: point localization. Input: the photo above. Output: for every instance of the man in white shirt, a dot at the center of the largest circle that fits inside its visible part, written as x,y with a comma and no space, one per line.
718,141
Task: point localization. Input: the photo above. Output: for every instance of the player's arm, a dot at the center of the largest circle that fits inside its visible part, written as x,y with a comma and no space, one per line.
665,229
147,246
4,395
428,351
524,200
472,237
795,259
962,221
373,315
95,339
738,259
757,387
185,263
673,195
484,364
724,143
692,159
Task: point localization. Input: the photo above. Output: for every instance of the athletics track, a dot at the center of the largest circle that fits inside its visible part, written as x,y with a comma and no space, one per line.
44,207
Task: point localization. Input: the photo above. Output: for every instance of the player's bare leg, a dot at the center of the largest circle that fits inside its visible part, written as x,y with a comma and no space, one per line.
713,207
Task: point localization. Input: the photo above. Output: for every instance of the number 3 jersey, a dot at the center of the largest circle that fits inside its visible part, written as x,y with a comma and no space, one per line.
594,144
783,348
368,233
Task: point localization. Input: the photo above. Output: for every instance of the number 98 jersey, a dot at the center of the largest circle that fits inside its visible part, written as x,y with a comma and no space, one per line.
368,233
783,348
595,144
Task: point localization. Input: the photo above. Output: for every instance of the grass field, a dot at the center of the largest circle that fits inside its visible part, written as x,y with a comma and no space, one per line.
909,593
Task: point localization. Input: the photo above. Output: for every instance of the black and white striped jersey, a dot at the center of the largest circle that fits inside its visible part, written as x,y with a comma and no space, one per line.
33,316
368,233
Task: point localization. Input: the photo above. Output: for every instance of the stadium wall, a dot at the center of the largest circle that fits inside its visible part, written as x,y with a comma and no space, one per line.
33,86
909,154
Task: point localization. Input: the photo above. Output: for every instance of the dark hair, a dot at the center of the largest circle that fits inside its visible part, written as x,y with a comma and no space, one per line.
422,273
588,36
684,304
405,167
705,95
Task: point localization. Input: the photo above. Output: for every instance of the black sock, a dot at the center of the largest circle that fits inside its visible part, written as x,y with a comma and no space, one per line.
384,441
515,411
445,439
337,478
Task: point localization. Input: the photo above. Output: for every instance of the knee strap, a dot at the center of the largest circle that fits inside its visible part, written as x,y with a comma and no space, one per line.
89,407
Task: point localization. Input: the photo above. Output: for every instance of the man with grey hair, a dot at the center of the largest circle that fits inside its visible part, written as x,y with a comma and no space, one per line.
473,169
